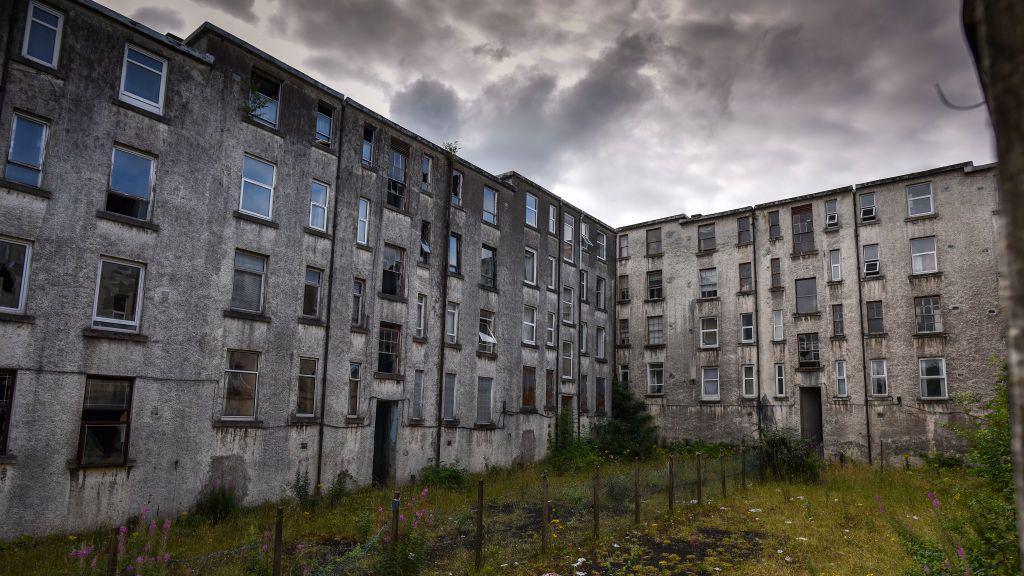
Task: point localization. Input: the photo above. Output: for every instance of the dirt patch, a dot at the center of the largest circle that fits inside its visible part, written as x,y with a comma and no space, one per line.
700,553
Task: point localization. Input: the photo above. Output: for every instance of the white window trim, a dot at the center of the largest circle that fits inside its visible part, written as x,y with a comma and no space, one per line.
152,177
42,146
753,330
602,243
421,316
934,252
601,342
532,325
130,325
155,107
569,237
780,378
241,189
703,331
263,280
535,210
704,381
650,384
744,379
921,378
327,201
845,378
549,334
931,200
57,41
533,272
366,228
553,272
835,266
451,337
778,328
256,386
883,374
562,358
552,219
23,293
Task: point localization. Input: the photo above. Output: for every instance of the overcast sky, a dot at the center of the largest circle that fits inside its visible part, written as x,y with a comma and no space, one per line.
639,109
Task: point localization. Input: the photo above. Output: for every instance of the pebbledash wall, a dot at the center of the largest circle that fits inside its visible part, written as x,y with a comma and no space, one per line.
217,269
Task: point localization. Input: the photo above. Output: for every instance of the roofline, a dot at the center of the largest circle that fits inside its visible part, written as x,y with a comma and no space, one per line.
514,174
147,31
964,166
378,116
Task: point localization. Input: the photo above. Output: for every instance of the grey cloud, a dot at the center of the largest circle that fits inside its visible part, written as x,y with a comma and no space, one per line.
160,18
241,9
492,51
432,106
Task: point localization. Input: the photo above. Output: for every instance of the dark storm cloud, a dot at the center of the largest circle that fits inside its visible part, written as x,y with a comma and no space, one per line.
160,18
242,9
433,106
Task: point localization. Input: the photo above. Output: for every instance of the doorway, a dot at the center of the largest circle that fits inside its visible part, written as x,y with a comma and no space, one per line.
385,441
810,417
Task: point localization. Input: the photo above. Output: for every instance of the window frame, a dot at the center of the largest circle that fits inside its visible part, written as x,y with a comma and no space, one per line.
935,304
842,379
27,269
254,113
58,36
552,219
319,291
313,204
489,273
480,381
835,265
139,101
417,396
778,326
910,200
358,303
389,270
802,223
780,380
565,368
534,210
17,115
549,329
704,287
775,267
149,184
774,225
529,325
838,320
600,343
942,378
655,290
801,300
396,353
317,134
528,388
705,380
750,378
659,331
487,325
569,238
132,326
454,268
746,276
420,327
451,329
657,242
256,385
623,246
363,224
490,216
876,377
655,388
449,395
83,423
455,194
744,327
602,246
355,377
862,207
707,331
299,383
706,237
808,350
877,260
869,307
368,147
914,256
600,292
273,185
8,383
397,177
744,231
832,209
568,310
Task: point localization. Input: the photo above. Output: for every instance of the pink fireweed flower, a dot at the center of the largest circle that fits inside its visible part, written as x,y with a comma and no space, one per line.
424,492
266,541
166,558
959,552
881,507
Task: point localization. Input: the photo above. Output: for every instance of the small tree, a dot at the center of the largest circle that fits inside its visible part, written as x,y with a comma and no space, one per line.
630,432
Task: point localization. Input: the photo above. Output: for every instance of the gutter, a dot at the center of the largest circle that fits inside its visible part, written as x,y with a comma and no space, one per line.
443,279
864,363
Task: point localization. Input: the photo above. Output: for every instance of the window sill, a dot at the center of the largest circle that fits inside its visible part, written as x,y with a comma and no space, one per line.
255,219
54,72
869,222
242,315
654,395
929,335
804,254
16,317
745,293
389,376
306,320
841,338
491,224
530,345
485,426
453,345
653,300
841,399
487,288
924,276
450,423
248,119
26,189
876,335
294,420
708,348
807,315
392,297
921,217
708,252
834,283
832,229
318,233
777,289
127,220
359,329
817,368
782,341
423,265
530,285
486,355
8,459
419,339
775,239
396,210
365,247
327,147
710,401
653,346
113,335
623,345
370,166
921,400
601,360
744,244
414,422
708,299
872,278
75,466
527,409
652,256
747,344
228,423
354,420
141,111
457,275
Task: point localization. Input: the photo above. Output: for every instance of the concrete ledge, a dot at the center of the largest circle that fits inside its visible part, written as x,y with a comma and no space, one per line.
255,219
140,111
8,459
19,318
306,320
26,189
243,315
74,465
127,220
317,233
227,423
388,376
113,335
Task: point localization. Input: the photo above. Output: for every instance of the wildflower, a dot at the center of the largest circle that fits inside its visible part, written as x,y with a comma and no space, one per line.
959,552
881,508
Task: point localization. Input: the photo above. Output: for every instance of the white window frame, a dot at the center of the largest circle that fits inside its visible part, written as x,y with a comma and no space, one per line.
705,380
529,324
313,204
744,328
584,338
778,326
152,177
154,107
32,6
650,383
568,305
552,272
601,341
883,375
602,246
569,237
449,396
930,196
488,191
451,329
42,145
241,191
129,325
552,219
842,381
600,292
417,395
921,378
552,319
877,261
531,271
23,291
706,332
363,224
748,375
835,265
780,380
421,316
934,252
566,346
534,210
863,210
263,281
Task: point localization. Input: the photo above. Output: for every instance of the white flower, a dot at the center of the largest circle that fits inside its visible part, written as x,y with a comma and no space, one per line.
801,538
579,562
754,510
779,550
789,521
788,559
615,545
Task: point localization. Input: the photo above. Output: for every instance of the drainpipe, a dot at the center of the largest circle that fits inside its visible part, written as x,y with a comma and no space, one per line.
7,57
757,318
330,308
443,280
579,326
860,321
560,221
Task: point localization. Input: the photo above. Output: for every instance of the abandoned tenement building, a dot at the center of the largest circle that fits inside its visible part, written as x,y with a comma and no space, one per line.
213,267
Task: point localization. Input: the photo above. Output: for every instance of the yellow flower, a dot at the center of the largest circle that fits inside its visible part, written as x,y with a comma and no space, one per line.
72,537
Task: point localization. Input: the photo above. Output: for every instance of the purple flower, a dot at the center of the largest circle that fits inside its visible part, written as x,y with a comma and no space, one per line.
959,551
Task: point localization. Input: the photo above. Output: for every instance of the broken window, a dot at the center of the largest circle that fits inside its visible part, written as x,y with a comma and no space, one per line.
809,349
396,177
264,94
388,348
425,242
487,340
324,124
803,229
241,378
106,418
709,283
367,150
655,290
15,258
392,276
488,267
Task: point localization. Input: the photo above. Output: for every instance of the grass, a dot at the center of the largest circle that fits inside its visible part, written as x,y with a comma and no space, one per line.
832,527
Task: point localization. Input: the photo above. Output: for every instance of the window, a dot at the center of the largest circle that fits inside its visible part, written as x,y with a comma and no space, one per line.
600,385
530,267
529,397
487,340
483,399
806,296
258,178
15,259
388,348
836,265
654,285
809,350
601,342
143,78
25,156
421,316
584,339
838,326
490,205
803,229
776,273
531,210
241,378
929,314
746,277
872,267
454,253
623,283
747,327
305,400
879,378
567,359
876,325
324,124
868,211
832,213
777,331
623,332
602,245
599,293
358,290
584,235
922,255
584,400
448,409
311,293
7,378
932,374
529,325
749,381
318,206
118,295
709,383
656,330
131,184
623,246
552,219
709,332
354,374
456,188
655,378
106,420
584,288
417,395
426,165
654,247
743,232
780,380
774,226
709,283
392,276
425,242
549,328
919,199
367,150
488,267
841,388
363,226
624,373
552,272
43,35
706,237
549,389
567,304
396,177
568,239
451,323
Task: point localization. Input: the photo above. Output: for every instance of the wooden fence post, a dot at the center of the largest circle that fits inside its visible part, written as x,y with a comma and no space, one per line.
671,483
114,551
760,463
721,472
278,536
597,502
396,502
545,514
700,480
636,491
479,524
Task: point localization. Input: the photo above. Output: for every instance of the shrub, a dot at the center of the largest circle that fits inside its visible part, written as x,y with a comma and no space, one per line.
618,491
568,453
406,557
217,502
787,456
301,490
443,476
630,431
339,488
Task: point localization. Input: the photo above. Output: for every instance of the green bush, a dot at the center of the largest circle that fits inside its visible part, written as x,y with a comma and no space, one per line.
618,491
443,476
787,456
340,488
217,502
568,453
630,431
301,490
407,557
